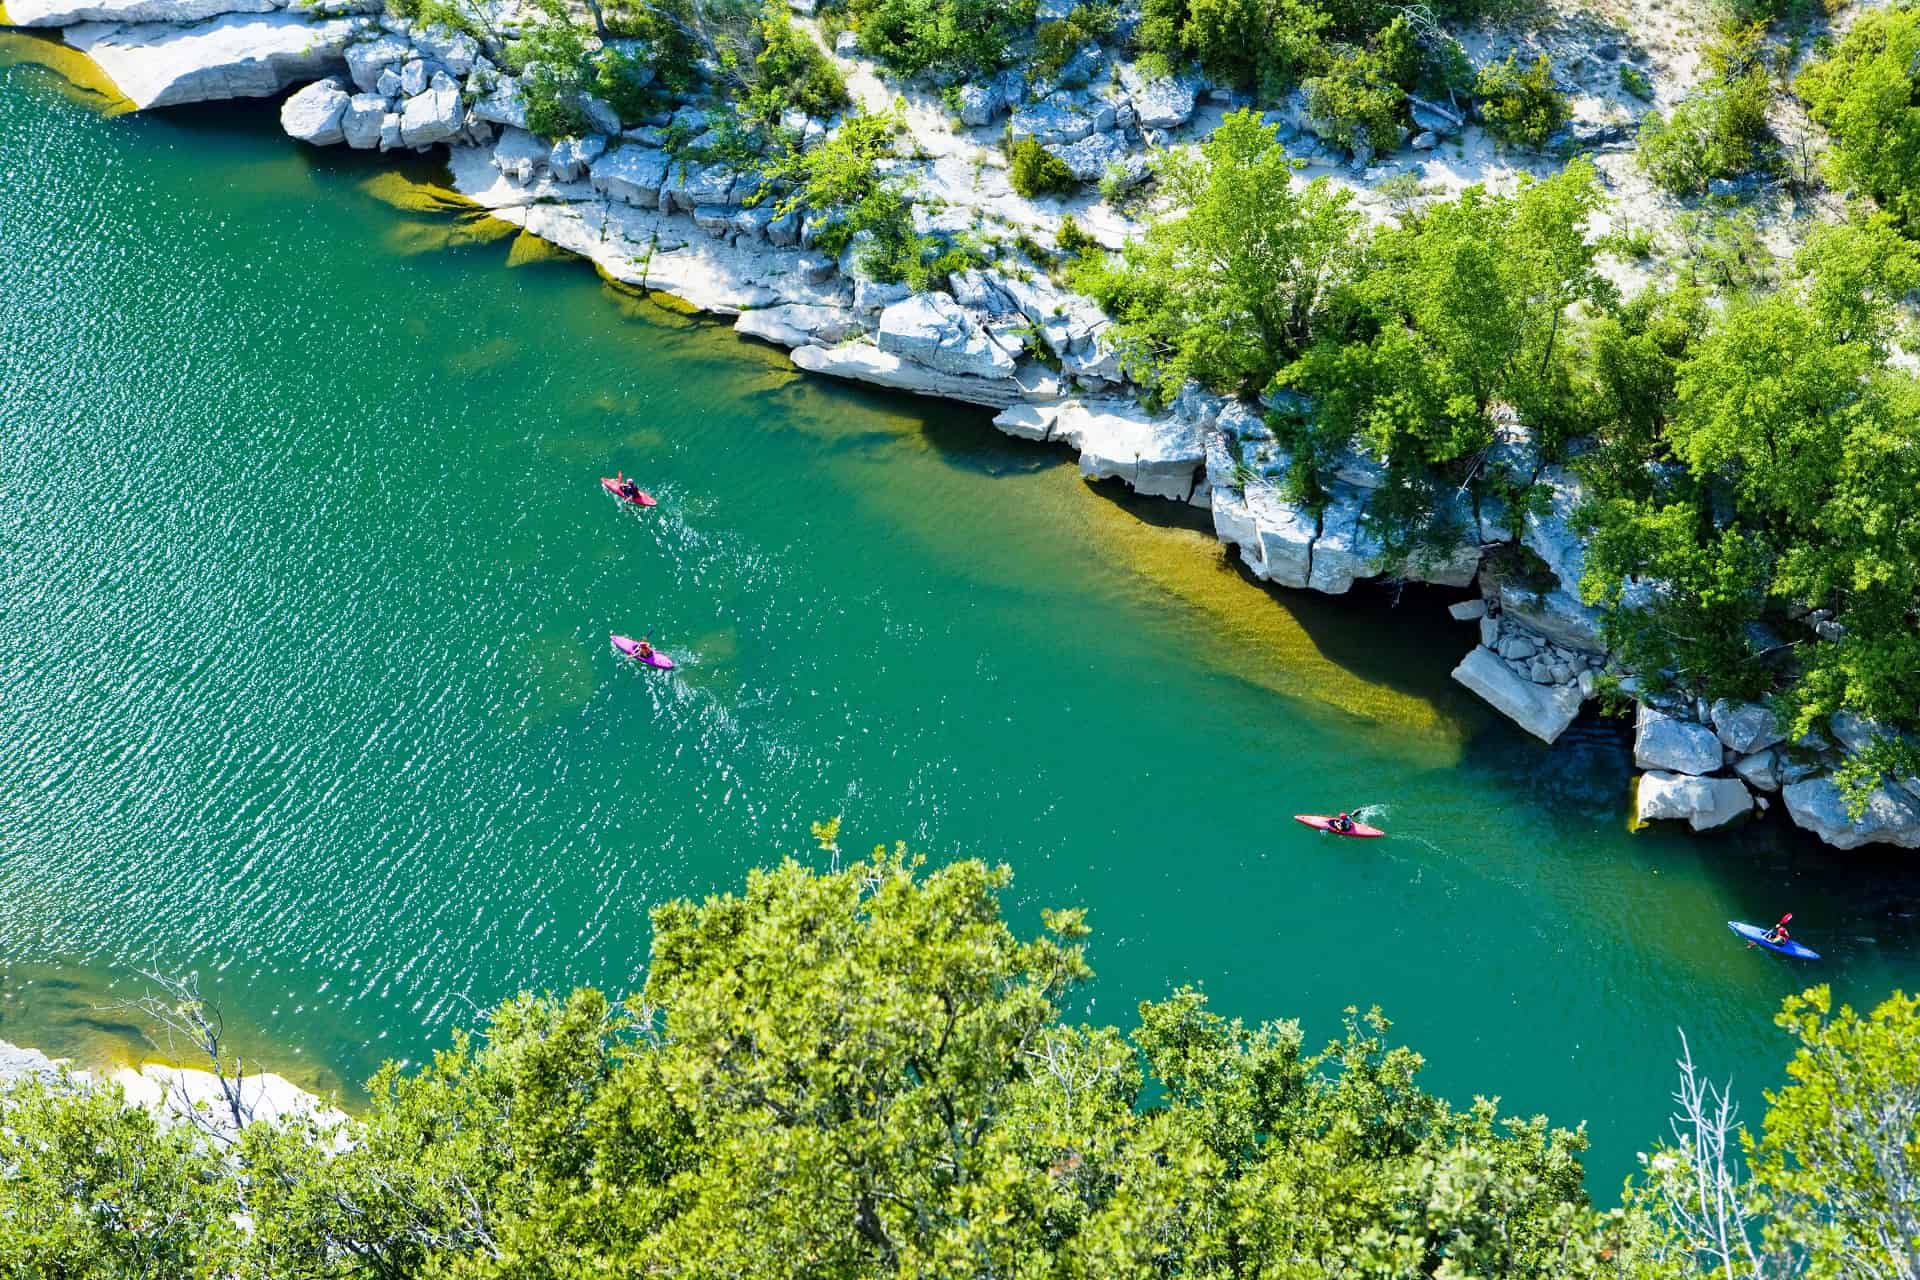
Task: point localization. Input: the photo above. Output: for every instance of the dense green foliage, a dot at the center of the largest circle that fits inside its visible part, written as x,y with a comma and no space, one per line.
1778,463
866,1073
1721,131
1054,43
1035,171
1867,94
949,38
1520,104
1230,288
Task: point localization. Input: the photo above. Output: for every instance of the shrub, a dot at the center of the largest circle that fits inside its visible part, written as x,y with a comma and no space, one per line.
1634,81
1720,132
1072,239
1521,106
1868,98
791,73
1055,43
1035,171
1358,100
946,37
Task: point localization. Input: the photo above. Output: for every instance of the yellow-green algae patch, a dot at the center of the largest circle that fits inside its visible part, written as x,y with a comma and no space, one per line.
79,77
528,249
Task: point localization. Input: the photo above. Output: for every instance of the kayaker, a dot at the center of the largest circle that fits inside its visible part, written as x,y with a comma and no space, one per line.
1778,933
1342,823
628,488
646,650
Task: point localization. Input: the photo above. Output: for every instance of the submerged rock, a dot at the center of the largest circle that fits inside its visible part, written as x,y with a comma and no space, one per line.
1544,711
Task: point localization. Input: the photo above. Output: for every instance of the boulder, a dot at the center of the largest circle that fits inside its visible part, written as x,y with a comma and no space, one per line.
1467,610
1345,551
500,101
390,131
1090,158
367,59
1159,457
632,174
18,1064
1761,770
979,104
1159,102
569,158
1544,711
1661,741
519,155
600,114
797,324
413,77
1891,817
877,295
1745,727
457,51
1274,536
1703,803
430,117
933,330
864,362
1028,421
1557,614
360,122
314,114
1049,124
232,56
688,186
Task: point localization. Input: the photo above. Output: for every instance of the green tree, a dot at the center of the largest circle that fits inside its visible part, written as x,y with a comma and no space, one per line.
1868,97
1231,287
1520,104
941,37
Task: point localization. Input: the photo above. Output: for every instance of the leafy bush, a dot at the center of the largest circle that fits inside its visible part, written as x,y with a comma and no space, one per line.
944,37
1035,171
1521,105
550,57
790,72
1634,81
1721,131
1359,99
1867,95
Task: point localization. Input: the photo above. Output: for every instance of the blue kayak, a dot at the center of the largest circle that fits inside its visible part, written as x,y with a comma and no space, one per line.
1758,937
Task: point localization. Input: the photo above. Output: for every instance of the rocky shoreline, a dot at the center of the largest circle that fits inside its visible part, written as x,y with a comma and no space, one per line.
998,337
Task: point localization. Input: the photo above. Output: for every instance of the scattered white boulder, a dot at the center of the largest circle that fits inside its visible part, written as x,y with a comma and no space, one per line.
1544,711
1744,727
1703,803
632,174
1159,102
314,114
1891,816
1761,770
933,330
368,60
569,158
1662,741
434,115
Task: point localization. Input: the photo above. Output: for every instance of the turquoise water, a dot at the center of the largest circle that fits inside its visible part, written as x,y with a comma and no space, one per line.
304,681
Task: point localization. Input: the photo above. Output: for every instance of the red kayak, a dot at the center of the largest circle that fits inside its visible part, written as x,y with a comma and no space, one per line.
1359,830
640,498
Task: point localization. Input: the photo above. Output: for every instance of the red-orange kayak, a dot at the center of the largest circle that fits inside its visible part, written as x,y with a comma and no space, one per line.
1359,830
640,498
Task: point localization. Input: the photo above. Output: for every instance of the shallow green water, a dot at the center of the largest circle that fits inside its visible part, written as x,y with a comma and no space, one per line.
304,680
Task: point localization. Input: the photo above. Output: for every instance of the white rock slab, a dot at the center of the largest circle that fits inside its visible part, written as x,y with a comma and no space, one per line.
234,56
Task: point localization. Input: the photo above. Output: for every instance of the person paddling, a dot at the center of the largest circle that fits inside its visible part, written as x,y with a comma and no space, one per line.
646,649
628,488
1776,935
1342,823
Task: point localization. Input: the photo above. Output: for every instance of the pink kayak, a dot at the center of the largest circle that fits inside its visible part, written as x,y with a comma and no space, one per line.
631,648
1358,831
640,497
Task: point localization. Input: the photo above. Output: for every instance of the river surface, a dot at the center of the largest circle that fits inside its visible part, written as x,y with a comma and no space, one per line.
305,587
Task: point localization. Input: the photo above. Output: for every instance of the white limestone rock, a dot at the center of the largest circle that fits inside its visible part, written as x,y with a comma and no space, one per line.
1703,803
1661,741
67,13
1892,816
1558,614
500,101
254,55
797,324
1544,711
1467,610
432,116
1162,102
688,186
864,362
1345,551
1744,727
17,1063
360,122
1050,125
520,155
1159,457
933,330
368,60
1028,421
1761,770
1089,158
632,174
314,114
569,158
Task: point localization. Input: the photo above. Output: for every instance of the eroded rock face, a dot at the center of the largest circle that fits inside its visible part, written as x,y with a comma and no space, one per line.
1892,816
1159,457
1661,741
863,362
67,13
1345,551
1558,614
17,1064
1703,803
934,330
315,113
1544,711
797,324
240,55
